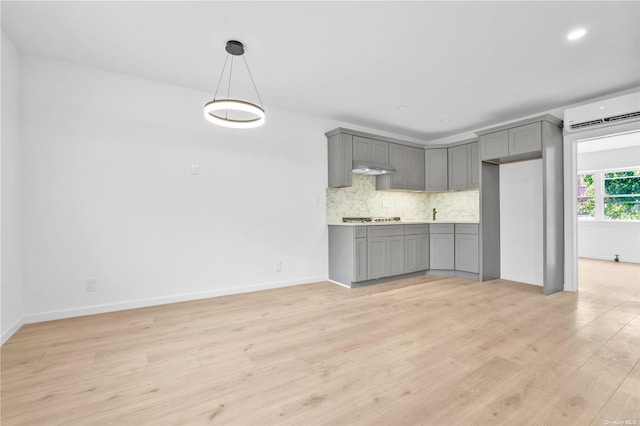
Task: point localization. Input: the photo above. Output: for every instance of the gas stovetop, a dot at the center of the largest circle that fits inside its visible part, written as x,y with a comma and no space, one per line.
370,219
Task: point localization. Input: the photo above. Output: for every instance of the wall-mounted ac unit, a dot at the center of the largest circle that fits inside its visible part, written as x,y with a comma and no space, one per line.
621,109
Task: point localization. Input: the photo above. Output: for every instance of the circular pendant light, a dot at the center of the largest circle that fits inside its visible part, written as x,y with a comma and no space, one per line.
210,109
230,112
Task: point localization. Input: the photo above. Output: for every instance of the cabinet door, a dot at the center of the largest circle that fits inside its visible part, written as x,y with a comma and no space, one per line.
467,253
422,258
415,172
458,167
361,149
360,258
441,253
527,138
494,145
376,257
340,154
398,159
379,152
473,166
395,255
410,253
436,169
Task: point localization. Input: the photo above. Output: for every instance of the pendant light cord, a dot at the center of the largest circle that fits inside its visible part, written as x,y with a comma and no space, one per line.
220,79
252,82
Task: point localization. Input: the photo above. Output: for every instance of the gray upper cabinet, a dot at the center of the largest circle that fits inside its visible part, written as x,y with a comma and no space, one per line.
415,171
346,146
398,159
370,150
458,167
409,164
464,167
474,165
527,138
514,144
435,161
340,150
494,145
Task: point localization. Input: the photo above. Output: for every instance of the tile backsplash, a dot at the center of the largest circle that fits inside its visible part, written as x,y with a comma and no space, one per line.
362,200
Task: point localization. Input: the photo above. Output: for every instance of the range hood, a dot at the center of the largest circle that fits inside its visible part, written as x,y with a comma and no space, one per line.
372,169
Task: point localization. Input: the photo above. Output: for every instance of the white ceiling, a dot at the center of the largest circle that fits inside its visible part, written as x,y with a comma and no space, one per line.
473,63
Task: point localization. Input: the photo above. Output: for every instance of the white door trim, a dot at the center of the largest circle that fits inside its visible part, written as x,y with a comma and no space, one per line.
570,153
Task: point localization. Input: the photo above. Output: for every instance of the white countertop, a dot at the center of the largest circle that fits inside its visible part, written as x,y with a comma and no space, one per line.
402,222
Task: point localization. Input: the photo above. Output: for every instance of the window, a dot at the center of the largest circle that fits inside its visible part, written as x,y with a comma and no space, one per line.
586,196
622,195
609,195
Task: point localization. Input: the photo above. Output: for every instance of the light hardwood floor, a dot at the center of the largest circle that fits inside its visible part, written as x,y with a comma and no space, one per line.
427,350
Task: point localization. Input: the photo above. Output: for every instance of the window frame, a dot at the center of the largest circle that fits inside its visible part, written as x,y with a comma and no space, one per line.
598,181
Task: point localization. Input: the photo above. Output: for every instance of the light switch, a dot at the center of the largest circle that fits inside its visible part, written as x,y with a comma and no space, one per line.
195,170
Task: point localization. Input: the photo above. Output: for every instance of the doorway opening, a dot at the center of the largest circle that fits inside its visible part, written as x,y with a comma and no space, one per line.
602,203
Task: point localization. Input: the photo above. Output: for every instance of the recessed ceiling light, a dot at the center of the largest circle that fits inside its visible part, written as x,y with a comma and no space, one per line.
601,107
445,120
401,107
576,34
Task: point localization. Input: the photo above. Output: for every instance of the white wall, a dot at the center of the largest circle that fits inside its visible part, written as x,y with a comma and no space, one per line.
109,194
609,159
521,225
605,239
11,194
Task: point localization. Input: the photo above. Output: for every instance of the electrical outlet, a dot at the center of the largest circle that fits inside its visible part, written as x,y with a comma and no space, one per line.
278,267
91,284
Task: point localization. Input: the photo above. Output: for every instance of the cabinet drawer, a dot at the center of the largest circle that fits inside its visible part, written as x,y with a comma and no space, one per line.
384,231
360,232
441,228
416,229
467,228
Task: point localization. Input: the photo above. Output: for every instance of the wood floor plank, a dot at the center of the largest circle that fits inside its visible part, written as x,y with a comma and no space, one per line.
424,350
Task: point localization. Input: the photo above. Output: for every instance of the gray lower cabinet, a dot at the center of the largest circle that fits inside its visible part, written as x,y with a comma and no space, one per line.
467,247
360,258
395,254
416,253
377,257
385,251
385,256
348,262
441,246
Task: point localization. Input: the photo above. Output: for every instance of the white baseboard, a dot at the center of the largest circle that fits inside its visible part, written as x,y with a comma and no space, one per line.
142,303
11,331
609,258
